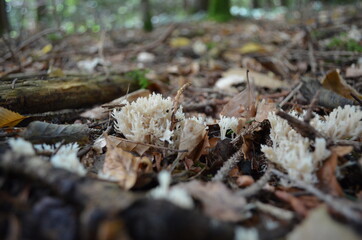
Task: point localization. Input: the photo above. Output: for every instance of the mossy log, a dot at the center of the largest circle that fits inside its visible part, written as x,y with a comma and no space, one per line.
37,95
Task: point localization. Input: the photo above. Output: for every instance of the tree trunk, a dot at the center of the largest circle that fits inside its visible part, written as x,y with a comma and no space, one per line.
219,10
146,15
4,22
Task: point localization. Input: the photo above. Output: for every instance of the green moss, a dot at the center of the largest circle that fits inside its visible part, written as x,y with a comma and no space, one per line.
139,75
342,42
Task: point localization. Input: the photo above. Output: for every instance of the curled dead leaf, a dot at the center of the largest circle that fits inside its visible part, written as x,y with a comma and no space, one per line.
124,166
334,81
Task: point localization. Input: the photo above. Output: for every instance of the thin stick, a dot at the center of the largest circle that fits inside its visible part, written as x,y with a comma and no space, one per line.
275,211
154,146
290,95
257,186
336,204
308,116
228,165
356,98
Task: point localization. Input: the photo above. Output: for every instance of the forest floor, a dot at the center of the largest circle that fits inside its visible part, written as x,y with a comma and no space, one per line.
260,138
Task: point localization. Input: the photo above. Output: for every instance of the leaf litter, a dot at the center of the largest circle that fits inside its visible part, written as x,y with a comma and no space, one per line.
238,136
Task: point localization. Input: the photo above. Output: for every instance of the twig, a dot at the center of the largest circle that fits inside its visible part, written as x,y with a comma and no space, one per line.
257,186
158,41
290,95
356,98
312,60
308,116
275,211
305,129
12,53
228,165
154,146
13,83
58,148
197,106
30,40
101,52
176,105
334,203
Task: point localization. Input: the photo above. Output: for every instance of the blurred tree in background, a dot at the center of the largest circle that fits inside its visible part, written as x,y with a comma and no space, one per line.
219,10
4,22
93,15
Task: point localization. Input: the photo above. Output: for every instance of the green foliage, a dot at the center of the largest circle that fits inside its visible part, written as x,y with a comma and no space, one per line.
219,10
342,42
139,75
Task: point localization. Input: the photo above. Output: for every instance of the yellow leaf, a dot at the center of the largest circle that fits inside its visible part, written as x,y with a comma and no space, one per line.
179,42
9,118
252,47
55,72
46,49
334,82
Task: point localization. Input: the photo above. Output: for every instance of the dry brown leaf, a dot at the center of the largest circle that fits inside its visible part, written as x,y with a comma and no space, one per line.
9,118
327,176
192,139
319,225
41,132
238,75
334,82
296,204
263,109
342,150
101,112
217,200
241,105
123,166
354,71
138,148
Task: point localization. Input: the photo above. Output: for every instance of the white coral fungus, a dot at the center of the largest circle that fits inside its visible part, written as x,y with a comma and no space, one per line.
66,158
148,120
292,151
227,123
21,146
341,123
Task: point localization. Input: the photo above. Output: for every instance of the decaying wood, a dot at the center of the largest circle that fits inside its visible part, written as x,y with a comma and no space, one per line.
38,95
